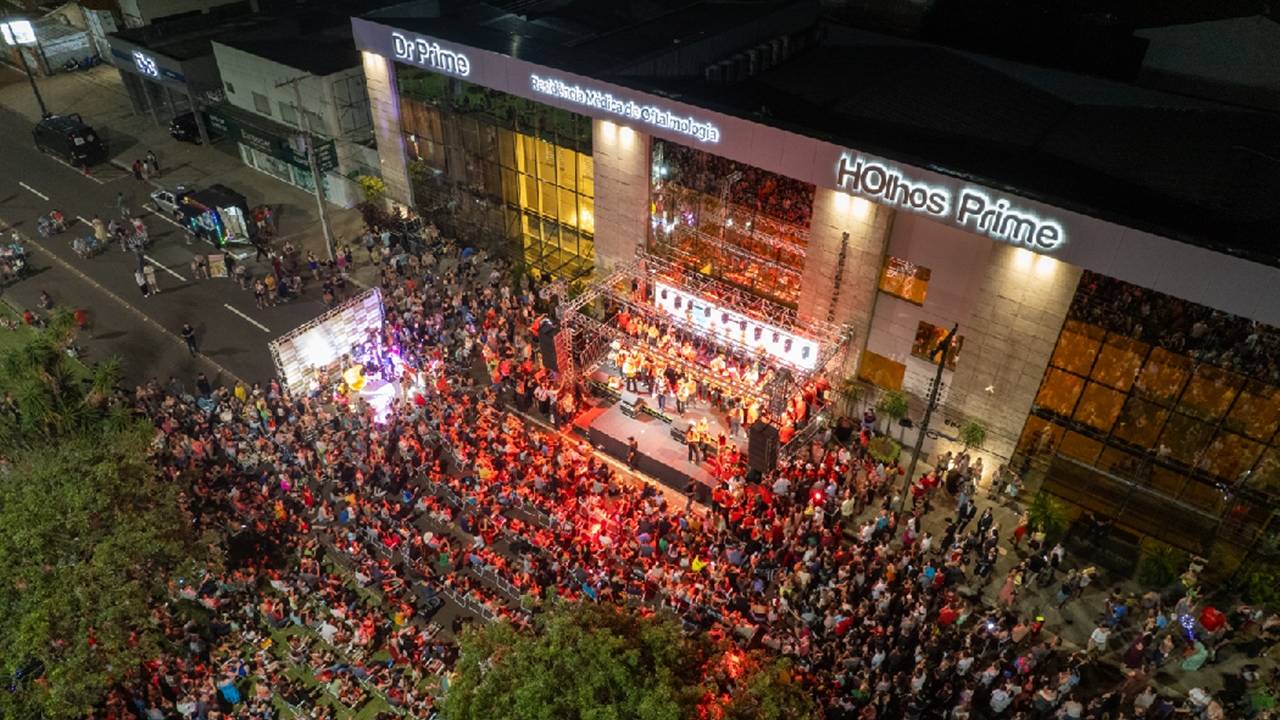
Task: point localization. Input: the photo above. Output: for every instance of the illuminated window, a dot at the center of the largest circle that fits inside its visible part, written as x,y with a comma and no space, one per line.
1230,454
1119,361
1256,412
1084,449
1077,347
904,279
1184,439
1099,407
928,337
1210,392
1163,377
881,371
1059,392
1140,422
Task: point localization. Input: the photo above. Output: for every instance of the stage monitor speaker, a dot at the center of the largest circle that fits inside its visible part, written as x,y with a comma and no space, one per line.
630,403
677,432
762,447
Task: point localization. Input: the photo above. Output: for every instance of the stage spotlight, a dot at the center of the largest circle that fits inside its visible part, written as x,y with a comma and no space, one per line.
706,312
724,318
804,352
743,325
786,346
664,293
678,301
775,338
759,332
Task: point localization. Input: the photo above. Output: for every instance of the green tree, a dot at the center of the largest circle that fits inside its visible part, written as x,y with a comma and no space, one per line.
609,662
893,405
91,534
1047,515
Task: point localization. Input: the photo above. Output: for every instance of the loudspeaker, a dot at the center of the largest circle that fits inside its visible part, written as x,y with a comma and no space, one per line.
677,432
547,344
630,401
762,447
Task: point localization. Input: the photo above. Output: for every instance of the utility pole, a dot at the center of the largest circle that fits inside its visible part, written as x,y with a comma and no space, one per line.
20,33
941,353
317,176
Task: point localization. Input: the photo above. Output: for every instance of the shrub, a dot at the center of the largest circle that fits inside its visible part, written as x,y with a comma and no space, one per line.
884,449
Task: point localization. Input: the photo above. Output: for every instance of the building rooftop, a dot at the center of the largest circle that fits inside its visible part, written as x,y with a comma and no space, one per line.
1188,169
315,54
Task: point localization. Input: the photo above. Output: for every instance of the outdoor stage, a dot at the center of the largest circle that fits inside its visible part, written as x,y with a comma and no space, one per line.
660,455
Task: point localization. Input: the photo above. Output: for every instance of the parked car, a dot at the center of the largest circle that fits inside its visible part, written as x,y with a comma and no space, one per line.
168,202
183,128
67,137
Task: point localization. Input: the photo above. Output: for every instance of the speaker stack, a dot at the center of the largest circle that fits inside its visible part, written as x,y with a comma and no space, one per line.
762,447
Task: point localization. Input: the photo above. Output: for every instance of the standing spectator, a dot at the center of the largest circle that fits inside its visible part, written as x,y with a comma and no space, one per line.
141,278
189,336
152,164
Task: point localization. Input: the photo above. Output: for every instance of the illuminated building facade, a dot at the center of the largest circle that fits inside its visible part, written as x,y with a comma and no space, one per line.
896,189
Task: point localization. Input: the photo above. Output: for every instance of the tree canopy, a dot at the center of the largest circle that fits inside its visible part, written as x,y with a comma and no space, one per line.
608,662
91,534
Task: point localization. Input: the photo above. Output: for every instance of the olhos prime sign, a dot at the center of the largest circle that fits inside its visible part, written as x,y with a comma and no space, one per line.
428,54
967,206
624,108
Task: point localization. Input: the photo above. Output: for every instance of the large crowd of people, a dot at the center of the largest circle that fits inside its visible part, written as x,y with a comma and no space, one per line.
357,547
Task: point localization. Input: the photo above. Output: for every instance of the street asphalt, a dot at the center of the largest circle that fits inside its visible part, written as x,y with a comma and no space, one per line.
142,331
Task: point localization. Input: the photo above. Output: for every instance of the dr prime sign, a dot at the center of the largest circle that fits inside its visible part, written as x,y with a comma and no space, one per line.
967,206
428,54
629,109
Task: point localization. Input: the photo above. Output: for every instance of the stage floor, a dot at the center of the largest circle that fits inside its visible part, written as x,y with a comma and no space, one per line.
660,455
695,410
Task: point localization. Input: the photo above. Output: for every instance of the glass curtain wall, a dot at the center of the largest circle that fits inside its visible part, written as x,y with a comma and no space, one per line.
733,222
1162,415
488,166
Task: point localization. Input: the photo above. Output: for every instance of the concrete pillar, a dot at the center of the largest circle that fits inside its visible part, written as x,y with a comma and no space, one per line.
384,105
867,225
621,159
1010,334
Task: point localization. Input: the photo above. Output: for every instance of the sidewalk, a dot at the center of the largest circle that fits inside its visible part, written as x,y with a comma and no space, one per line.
99,97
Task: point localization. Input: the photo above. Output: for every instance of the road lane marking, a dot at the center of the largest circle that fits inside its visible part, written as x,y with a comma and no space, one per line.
253,322
141,315
64,163
161,265
34,191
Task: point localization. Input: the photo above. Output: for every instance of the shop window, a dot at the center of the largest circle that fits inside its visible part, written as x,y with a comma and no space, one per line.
1039,436
262,104
1163,376
1167,482
1140,422
1119,361
904,279
1256,412
1229,455
1059,392
1210,392
1077,347
928,336
1082,448
1265,477
1099,407
1185,438
1122,464
881,371
1202,495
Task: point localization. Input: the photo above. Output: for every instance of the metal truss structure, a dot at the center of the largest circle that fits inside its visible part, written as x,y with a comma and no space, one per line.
593,336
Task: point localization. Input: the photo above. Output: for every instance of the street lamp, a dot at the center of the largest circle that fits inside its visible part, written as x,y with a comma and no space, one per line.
19,33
